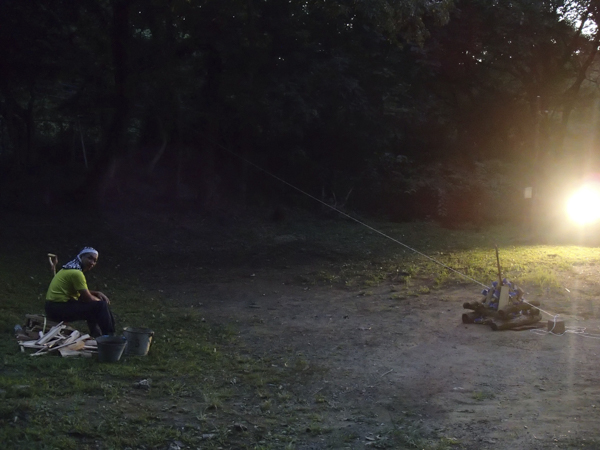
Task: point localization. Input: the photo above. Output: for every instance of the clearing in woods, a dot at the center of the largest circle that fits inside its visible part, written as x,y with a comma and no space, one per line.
367,346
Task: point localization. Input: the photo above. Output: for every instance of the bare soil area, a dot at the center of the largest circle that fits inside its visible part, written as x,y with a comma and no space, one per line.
407,363
389,360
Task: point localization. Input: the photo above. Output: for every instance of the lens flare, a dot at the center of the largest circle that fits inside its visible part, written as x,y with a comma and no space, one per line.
584,206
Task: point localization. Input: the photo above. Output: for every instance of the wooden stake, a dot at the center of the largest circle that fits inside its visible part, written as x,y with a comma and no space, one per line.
499,271
53,260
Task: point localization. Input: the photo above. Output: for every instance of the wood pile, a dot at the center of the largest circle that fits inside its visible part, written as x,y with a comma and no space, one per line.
503,308
41,337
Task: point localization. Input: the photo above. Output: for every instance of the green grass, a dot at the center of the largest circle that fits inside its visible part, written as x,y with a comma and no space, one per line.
203,377
196,370
481,396
452,258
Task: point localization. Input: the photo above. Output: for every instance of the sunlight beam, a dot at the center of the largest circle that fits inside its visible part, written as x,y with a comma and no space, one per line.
584,206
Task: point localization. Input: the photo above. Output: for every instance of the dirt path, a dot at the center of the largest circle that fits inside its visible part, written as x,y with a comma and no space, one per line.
412,363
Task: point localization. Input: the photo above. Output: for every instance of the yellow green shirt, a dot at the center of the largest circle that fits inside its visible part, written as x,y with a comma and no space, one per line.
66,285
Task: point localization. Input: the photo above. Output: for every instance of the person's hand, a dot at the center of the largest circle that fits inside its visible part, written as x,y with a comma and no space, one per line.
103,297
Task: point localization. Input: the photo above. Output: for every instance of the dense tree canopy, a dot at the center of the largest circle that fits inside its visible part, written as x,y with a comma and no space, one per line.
399,101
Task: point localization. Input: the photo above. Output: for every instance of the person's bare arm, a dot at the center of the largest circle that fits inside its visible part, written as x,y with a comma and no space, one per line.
101,296
88,296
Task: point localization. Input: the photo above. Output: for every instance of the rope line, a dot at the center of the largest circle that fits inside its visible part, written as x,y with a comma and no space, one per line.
545,312
579,331
352,218
247,161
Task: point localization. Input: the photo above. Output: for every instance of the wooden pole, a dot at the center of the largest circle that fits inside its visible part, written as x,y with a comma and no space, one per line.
499,271
53,260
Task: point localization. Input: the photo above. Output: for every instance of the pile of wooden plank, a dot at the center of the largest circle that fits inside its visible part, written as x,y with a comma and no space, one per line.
58,339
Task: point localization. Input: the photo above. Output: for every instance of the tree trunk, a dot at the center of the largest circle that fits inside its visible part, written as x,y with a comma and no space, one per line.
114,137
119,42
572,93
20,127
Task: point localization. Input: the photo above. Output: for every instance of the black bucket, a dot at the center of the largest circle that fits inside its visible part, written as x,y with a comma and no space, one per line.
138,340
110,348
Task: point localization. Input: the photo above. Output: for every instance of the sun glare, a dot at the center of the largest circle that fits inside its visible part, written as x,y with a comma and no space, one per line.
584,206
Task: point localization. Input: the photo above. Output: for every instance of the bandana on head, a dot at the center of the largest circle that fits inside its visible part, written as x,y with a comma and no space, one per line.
76,263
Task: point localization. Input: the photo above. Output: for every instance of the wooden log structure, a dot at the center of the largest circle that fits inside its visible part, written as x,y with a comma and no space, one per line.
515,315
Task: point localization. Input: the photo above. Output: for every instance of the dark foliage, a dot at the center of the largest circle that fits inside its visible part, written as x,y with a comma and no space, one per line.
162,104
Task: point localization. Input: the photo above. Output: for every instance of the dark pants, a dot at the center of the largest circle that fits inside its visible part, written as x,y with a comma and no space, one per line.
97,314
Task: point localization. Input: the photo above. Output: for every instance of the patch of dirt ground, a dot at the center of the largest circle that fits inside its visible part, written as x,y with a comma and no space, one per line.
391,358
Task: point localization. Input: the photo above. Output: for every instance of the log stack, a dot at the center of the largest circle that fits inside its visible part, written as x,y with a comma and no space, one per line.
516,314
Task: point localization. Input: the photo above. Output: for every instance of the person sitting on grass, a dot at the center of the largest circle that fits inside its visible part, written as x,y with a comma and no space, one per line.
68,298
